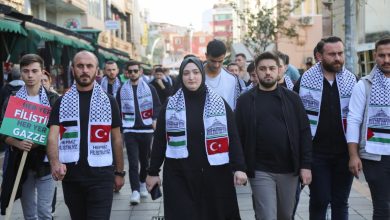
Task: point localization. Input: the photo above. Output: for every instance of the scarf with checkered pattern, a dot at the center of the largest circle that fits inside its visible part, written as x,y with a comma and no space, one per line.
215,127
378,115
145,103
115,86
311,88
99,128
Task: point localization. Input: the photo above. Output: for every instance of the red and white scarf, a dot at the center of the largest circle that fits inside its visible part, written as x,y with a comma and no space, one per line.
145,104
215,126
99,128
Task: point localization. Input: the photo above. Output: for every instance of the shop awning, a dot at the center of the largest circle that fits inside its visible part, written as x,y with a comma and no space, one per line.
64,40
12,26
43,35
82,45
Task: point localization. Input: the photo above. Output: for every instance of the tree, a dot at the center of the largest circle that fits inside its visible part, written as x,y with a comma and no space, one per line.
265,25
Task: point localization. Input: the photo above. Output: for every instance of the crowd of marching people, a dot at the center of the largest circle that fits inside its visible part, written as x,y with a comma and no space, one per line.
201,133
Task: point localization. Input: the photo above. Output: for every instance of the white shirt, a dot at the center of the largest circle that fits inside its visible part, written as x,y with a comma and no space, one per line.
224,84
357,105
34,99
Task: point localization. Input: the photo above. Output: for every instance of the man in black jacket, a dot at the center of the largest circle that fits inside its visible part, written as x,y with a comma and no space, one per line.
275,134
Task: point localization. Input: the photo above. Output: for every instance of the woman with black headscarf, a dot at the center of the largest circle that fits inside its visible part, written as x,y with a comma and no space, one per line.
197,138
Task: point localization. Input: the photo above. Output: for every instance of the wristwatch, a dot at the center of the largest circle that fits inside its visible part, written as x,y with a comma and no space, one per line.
120,173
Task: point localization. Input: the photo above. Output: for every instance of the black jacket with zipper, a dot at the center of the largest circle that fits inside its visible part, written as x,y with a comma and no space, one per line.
297,124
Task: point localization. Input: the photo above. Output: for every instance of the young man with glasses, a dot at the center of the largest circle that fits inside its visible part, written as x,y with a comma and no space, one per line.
139,105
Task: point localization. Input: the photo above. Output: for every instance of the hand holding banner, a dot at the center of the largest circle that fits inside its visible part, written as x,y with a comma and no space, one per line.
26,120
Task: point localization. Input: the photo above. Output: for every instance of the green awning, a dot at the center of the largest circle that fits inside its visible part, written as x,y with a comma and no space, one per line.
108,56
43,35
81,45
12,26
64,40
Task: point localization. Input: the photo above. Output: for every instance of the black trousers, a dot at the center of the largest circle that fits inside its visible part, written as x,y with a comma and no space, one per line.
377,174
88,200
138,150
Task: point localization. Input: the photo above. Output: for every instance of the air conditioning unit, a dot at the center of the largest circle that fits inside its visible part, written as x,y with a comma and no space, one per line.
306,20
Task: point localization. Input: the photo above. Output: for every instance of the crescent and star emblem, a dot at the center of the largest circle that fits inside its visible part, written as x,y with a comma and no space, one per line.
212,146
97,132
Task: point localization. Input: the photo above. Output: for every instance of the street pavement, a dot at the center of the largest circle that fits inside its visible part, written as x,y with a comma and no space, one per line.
359,200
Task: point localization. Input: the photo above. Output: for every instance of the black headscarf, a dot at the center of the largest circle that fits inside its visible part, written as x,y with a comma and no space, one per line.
199,64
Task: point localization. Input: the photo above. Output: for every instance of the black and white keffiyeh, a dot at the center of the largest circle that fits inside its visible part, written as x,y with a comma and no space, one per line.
311,93
117,84
289,83
145,103
99,128
22,94
378,115
215,126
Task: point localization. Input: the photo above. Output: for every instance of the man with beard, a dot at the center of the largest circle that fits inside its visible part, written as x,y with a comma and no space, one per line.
368,131
219,79
110,82
325,90
275,135
139,106
85,143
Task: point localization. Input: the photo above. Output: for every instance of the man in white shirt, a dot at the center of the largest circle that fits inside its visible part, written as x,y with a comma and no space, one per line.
218,78
368,133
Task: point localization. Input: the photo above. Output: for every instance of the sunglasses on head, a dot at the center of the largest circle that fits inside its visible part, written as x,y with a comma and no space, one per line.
132,71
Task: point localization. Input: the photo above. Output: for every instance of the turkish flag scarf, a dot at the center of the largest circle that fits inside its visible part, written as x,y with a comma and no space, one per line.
145,103
99,128
215,126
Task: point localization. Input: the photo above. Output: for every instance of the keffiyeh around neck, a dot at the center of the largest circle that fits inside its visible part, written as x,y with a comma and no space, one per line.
145,104
22,93
99,128
115,86
215,126
311,88
378,115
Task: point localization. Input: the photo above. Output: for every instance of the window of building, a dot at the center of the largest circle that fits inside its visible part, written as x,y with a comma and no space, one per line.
177,41
223,17
202,40
366,62
219,28
95,8
307,7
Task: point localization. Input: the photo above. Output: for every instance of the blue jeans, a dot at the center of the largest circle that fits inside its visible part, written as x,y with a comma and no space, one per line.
377,174
37,196
331,183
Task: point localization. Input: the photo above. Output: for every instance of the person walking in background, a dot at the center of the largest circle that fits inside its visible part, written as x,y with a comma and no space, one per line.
219,79
139,106
85,143
284,80
240,60
163,88
368,132
325,90
275,135
197,140
111,82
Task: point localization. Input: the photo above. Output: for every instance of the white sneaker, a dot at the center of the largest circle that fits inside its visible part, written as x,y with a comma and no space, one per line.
143,191
135,198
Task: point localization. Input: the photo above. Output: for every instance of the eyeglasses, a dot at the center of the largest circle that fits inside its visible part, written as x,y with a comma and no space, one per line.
132,71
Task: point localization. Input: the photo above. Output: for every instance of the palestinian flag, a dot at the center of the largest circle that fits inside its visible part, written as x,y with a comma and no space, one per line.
176,139
128,116
313,117
378,135
69,129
